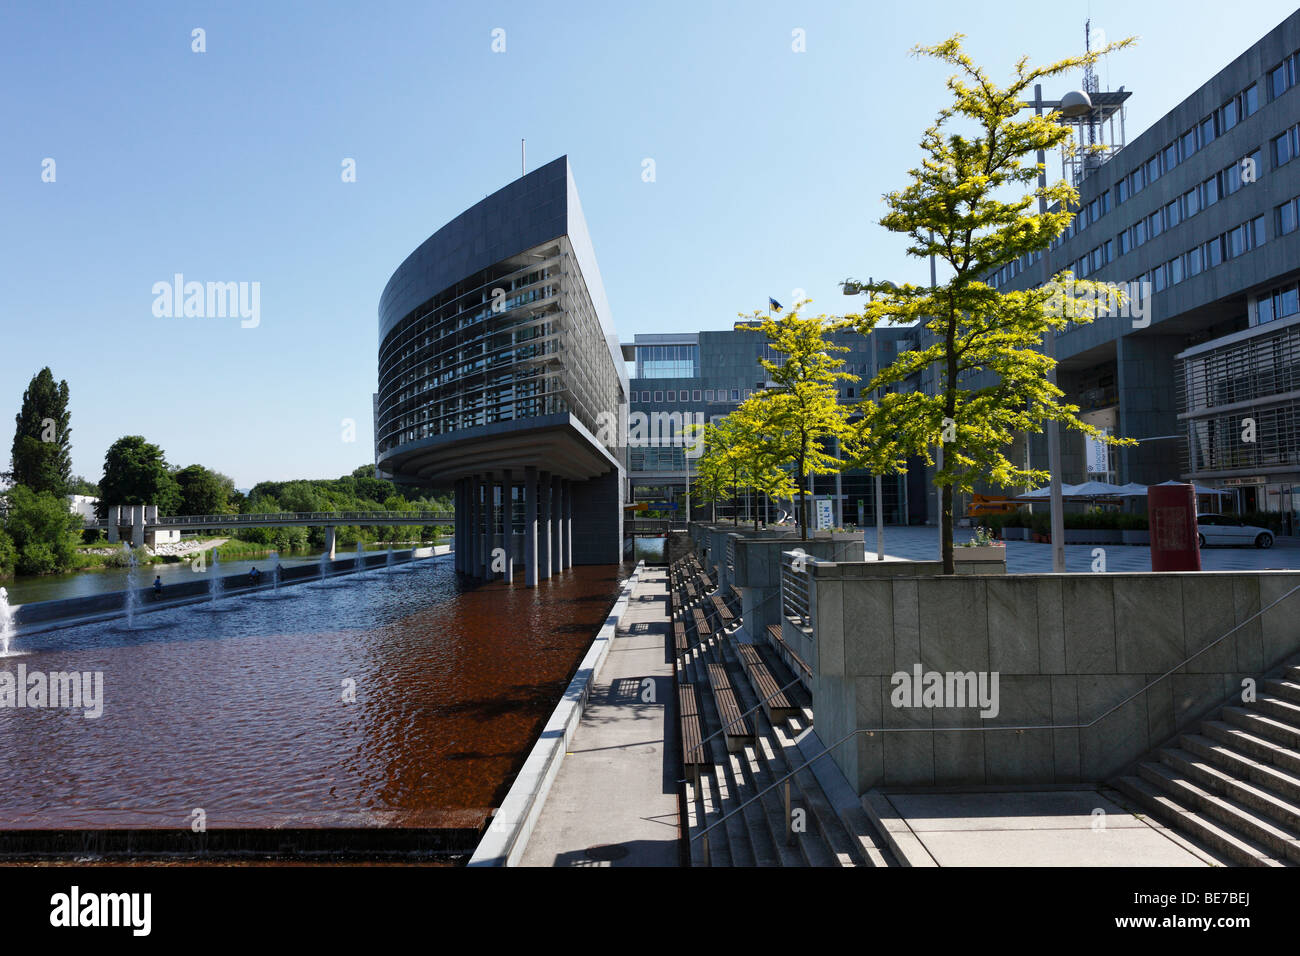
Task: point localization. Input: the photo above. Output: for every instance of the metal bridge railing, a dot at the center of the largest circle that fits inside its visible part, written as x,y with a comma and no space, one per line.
324,517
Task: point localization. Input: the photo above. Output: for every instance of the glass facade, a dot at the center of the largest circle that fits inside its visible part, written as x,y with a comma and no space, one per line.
667,361
518,340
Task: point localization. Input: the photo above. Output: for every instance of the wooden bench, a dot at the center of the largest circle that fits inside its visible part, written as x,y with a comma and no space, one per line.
721,612
779,708
693,759
702,627
735,728
774,630
679,637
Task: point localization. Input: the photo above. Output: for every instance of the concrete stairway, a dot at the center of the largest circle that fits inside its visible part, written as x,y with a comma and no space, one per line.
835,832
1234,786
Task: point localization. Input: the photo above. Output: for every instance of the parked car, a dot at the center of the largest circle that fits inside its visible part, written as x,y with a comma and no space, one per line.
1225,529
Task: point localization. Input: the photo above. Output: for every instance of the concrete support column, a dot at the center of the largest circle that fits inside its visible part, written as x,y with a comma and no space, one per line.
476,525
557,513
461,522
568,524
114,523
530,526
455,524
330,531
507,527
544,531
471,549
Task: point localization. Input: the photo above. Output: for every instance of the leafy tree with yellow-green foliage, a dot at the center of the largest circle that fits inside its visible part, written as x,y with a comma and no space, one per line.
971,204
801,408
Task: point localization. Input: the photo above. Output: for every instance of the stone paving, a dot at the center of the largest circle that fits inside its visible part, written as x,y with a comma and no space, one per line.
1027,557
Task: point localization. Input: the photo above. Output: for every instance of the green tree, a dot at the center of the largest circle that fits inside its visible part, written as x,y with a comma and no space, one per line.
202,492
757,439
43,531
136,473
802,408
970,205
41,456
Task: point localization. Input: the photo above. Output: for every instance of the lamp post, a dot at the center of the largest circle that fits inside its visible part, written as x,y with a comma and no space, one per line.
1076,103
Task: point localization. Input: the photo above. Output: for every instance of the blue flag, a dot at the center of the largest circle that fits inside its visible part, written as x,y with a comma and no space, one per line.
773,304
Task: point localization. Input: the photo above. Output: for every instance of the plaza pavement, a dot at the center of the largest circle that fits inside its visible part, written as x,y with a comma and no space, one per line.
1028,557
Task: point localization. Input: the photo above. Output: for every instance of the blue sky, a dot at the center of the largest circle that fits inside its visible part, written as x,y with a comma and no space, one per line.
226,166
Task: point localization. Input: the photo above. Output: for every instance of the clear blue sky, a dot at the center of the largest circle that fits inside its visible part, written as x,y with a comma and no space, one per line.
225,166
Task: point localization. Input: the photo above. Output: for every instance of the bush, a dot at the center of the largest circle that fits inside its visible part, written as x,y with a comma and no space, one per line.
8,555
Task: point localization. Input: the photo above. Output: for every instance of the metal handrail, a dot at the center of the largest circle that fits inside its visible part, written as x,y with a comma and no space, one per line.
935,730
217,521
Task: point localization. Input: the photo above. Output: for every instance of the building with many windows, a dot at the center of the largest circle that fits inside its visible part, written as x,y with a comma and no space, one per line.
500,375
702,376
1198,215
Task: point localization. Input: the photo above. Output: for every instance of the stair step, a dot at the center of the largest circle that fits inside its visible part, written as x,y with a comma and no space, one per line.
1279,709
1256,797
1243,766
1243,817
1260,748
1275,730
1286,689
1293,672
1155,797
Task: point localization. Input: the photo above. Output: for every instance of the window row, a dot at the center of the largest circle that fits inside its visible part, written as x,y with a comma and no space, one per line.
1228,245
1277,304
696,395
1284,76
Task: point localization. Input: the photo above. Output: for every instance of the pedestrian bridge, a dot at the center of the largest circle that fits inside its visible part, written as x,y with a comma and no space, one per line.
145,518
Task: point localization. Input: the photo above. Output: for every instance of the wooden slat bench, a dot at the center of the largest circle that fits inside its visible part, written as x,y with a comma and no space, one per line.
721,612
702,627
736,728
796,661
779,708
693,759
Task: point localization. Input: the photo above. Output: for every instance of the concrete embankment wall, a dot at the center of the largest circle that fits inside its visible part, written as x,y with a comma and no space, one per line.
1065,648
44,614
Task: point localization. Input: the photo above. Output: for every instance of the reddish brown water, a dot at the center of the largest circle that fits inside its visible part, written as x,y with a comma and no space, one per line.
240,712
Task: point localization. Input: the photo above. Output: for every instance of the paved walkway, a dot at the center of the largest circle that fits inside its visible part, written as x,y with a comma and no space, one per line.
1084,827
1028,557
614,799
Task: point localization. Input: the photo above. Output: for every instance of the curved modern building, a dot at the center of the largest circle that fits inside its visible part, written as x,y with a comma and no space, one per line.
500,375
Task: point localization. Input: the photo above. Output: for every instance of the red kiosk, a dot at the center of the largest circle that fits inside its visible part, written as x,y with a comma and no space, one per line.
1171,510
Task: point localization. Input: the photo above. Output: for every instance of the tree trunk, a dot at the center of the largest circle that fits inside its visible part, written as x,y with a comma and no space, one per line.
803,505
949,565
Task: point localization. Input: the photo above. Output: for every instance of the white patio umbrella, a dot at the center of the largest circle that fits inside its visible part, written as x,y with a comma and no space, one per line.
1199,489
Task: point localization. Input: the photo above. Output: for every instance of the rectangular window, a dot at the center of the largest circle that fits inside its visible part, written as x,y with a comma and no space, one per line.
1140,233
1125,242
1250,101
1158,274
1236,242
735,394
1154,227
672,396
1175,268
1194,261
1107,250
1136,182
1282,149
1191,202
659,396
1152,171
1228,115
695,395
1105,201
1287,303
1121,190
1213,252
1286,218
1187,144
1210,191
1256,229
1169,158
1207,132
708,394
1264,310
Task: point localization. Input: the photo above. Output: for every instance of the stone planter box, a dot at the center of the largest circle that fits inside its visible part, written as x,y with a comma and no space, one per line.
986,559
1136,537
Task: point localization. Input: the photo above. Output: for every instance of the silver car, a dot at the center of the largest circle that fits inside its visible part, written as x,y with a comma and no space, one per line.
1225,529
